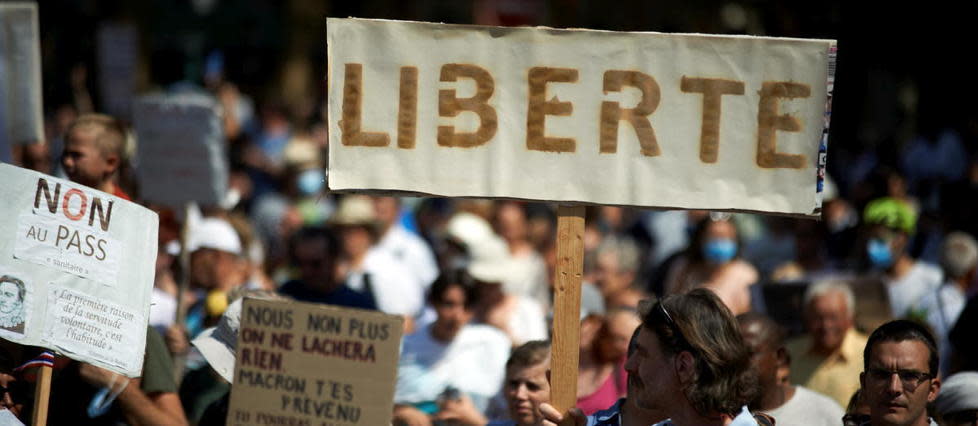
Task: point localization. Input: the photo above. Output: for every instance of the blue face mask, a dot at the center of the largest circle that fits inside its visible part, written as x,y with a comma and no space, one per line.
879,253
720,250
310,181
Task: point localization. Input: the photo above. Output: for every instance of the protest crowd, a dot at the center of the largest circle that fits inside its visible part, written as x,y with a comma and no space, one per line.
867,316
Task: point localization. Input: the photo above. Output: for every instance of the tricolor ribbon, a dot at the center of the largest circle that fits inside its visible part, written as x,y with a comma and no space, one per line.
46,358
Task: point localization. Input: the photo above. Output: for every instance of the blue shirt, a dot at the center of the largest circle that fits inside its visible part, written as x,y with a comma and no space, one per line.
607,417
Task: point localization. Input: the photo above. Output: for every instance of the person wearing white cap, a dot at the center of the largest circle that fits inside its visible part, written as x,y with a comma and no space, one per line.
517,315
486,257
957,404
215,248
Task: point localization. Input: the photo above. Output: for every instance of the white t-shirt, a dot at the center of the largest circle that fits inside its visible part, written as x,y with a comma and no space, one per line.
412,251
528,277
808,408
528,322
906,291
395,289
162,309
942,308
474,362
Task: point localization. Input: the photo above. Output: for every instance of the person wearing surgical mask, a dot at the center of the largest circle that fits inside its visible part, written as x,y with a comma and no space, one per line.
712,261
889,224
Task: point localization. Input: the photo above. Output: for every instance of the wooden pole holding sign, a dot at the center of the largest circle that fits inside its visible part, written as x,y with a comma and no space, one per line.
179,360
565,351
42,393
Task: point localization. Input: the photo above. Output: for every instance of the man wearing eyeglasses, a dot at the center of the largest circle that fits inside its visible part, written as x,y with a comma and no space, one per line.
900,376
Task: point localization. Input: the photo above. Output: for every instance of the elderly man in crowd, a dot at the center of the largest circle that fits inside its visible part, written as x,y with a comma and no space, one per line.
614,267
787,403
690,363
829,359
901,374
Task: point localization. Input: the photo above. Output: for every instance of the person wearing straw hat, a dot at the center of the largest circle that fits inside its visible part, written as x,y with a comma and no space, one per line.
491,264
369,270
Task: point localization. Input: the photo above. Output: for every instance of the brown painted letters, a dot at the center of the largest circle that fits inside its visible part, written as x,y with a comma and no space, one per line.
712,89
612,112
450,106
769,122
539,107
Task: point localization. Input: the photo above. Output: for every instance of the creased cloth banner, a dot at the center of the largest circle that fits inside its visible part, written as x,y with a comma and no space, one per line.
76,270
21,119
635,119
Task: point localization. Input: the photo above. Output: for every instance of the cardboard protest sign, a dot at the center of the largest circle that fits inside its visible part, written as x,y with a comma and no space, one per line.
302,363
118,57
181,149
76,270
633,119
21,119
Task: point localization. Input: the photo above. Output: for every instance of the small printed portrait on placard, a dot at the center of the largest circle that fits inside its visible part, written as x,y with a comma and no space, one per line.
13,313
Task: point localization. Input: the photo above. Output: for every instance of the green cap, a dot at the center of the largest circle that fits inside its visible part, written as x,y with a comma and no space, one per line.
891,213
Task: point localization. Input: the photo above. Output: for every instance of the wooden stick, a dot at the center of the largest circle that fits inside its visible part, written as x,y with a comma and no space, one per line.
181,319
565,352
42,393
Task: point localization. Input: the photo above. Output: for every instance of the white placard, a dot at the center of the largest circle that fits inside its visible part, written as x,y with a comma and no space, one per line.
21,112
89,326
634,119
56,243
181,149
85,262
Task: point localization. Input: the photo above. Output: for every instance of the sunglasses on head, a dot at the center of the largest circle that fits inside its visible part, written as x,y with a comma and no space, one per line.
678,332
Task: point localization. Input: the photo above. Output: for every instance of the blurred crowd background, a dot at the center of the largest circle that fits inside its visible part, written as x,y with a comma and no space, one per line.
902,167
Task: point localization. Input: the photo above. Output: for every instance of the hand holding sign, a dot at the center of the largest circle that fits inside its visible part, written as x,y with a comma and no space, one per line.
86,260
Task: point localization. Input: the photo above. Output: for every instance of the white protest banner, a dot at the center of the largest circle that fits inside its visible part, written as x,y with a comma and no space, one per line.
76,270
577,116
181,149
21,119
310,364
